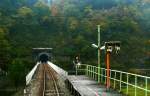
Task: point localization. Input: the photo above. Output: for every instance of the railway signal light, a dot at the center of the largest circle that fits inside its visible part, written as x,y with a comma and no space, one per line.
112,46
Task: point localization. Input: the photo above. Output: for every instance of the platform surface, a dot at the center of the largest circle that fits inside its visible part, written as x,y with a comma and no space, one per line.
89,87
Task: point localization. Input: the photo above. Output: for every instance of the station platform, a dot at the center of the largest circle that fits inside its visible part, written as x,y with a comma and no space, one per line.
86,86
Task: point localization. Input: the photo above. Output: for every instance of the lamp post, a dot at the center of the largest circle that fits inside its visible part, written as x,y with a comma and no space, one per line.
99,50
98,28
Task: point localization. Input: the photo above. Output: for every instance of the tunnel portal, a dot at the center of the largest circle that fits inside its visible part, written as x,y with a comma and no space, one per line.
42,54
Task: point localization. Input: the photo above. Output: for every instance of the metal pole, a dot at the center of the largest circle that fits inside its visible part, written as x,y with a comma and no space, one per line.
98,53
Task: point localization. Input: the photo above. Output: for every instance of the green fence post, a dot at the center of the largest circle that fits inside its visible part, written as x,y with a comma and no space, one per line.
127,84
105,75
120,80
93,71
110,76
98,77
115,80
76,70
101,75
90,72
146,87
86,71
97,74
135,84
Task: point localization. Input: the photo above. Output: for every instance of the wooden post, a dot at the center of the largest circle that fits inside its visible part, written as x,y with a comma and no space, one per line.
108,69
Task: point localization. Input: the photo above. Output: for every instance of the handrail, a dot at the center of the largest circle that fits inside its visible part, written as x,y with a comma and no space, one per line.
118,77
119,71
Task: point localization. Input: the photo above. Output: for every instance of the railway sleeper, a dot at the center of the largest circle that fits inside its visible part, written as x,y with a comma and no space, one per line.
52,93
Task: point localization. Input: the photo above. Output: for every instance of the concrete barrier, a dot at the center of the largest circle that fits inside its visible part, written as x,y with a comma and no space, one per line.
31,73
59,70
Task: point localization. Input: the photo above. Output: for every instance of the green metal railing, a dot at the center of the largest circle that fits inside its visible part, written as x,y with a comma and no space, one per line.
128,83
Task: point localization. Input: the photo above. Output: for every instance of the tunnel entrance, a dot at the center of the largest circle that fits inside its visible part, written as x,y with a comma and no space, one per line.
42,54
43,57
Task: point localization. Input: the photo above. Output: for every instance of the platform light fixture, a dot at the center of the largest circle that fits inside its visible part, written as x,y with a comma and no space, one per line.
97,47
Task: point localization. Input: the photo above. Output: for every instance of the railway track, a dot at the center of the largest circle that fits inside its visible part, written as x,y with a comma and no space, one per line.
50,86
46,82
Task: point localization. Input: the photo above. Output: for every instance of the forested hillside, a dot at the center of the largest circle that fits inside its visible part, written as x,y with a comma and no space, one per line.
70,27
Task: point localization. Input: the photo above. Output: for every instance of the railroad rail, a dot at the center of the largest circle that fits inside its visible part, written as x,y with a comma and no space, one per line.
47,80
50,87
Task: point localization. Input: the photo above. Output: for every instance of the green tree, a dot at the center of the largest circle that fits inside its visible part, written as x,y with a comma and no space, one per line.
4,50
17,72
